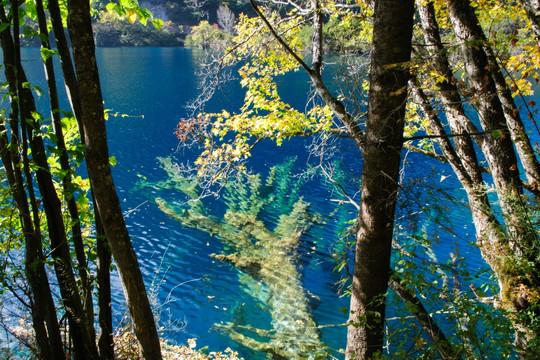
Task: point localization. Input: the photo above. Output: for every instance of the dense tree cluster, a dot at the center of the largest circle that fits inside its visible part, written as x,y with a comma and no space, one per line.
448,79
178,16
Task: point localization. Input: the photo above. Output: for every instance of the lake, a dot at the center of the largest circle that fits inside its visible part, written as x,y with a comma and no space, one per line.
152,86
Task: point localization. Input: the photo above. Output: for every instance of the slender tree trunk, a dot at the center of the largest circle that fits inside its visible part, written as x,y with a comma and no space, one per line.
532,8
444,347
43,311
518,133
392,34
524,280
99,172
79,325
70,79
106,341
503,249
461,154
491,238
498,150
76,232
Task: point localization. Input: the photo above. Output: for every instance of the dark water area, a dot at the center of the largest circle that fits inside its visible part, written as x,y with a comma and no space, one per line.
152,86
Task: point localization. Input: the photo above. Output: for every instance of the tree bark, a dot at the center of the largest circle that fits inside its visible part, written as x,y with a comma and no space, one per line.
99,172
498,150
461,154
518,133
106,341
503,249
532,8
520,279
392,34
104,260
43,311
70,79
84,344
76,233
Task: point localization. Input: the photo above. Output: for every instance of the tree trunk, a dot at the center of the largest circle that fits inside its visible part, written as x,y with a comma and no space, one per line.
519,279
498,150
99,172
106,340
532,8
503,250
68,71
43,310
76,233
392,34
518,133
79,325
444,347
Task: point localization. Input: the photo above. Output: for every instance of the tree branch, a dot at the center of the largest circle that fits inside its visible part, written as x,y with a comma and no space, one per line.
444,347
446,135
278,38
335,105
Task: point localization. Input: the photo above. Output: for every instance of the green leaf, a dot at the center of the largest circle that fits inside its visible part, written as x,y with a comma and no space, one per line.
112,7
43,38
29,10
112,161
158,23
62,173
497,134
29,32
47,53
4,26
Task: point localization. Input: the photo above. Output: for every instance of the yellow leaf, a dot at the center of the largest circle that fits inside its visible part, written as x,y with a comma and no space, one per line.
132,16
398,91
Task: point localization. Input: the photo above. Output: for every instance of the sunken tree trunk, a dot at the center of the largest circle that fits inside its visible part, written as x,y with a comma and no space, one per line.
382,155
266,255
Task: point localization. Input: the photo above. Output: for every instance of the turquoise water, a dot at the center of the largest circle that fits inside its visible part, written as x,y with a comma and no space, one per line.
153,86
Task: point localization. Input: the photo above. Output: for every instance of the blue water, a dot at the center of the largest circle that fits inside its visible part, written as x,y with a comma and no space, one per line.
152,86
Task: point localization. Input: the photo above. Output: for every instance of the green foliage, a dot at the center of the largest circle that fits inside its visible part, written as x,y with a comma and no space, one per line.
12,247
474,327
174,17
113,30
10,229
131,10
207,36
348,33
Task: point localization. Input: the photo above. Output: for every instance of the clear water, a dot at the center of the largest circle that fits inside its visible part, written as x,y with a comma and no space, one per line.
153,85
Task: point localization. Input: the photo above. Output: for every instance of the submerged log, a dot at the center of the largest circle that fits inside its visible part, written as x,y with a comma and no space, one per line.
268,257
